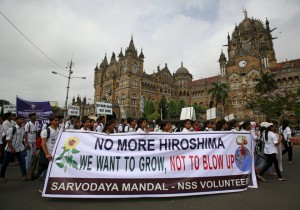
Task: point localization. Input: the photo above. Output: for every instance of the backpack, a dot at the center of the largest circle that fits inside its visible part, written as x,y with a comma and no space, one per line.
48,132
260,144
30,126
283,140
39,162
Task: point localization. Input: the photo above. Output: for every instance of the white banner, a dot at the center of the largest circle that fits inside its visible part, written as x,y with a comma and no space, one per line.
9,108
73,110
103,108
95,165
122,111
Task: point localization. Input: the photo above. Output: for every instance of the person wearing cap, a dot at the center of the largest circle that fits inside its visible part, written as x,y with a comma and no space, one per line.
271,142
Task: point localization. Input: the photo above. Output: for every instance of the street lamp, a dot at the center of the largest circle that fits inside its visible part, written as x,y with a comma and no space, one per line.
68,87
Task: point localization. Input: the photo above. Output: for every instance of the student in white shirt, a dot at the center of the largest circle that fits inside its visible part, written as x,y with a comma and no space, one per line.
271,142
288,146
132,124
142,125
15,147
101,122
187,126
31,130
86,124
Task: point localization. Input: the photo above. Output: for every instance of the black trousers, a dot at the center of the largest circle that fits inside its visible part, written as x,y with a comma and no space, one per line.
288,148
271,159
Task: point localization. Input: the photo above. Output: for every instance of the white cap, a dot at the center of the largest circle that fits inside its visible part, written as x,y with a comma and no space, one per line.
268,125
253,123
263,124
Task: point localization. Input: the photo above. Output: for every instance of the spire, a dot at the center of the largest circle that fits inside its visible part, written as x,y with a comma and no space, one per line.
113,59
267,24
131,47
121,53
228,38
96,68
181,64
104,62
245,13
142,54
222,57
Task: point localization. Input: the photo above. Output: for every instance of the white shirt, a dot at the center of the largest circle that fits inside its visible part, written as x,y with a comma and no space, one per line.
6,125
286,133
84,129
31,137
270,147
50,142
131,129
184,130
139,130
100,128
17,139
69,125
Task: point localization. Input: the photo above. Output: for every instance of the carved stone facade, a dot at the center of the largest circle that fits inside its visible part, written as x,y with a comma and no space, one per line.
250,53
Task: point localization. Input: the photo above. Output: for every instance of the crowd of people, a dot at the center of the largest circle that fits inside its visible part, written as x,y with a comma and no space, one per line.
21,142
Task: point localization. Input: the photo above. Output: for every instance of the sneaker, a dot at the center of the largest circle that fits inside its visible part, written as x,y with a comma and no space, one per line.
2,180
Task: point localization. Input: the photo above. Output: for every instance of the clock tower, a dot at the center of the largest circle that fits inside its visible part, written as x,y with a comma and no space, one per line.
250,53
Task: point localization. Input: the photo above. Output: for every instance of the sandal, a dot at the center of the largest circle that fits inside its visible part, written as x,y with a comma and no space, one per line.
282,179
2,180
261,178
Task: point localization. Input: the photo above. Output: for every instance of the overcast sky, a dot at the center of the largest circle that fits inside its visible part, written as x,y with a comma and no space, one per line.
168,31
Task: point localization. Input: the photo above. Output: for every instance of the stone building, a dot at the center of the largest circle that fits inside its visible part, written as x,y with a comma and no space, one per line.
123,81
86,109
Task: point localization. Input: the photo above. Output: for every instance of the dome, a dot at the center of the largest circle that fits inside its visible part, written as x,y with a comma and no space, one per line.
182,70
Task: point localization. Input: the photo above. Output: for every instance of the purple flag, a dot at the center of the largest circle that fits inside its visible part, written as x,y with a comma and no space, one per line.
41,108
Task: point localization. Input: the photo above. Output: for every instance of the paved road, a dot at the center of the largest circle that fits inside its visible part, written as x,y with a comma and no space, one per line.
270,195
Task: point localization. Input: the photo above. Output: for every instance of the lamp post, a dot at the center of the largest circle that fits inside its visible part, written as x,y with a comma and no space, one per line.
68,87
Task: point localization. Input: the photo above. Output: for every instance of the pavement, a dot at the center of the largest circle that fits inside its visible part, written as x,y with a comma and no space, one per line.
15,194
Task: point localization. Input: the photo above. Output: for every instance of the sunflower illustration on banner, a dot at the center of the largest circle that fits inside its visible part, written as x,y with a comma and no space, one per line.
66,157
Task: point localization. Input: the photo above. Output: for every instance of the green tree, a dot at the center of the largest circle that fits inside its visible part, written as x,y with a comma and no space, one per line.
181,104
154,116
149,108
57,111
273,104
172,109
199,109
297,105
219,93
163,107
266,83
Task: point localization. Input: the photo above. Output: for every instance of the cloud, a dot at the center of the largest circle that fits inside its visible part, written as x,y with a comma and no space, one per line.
192,32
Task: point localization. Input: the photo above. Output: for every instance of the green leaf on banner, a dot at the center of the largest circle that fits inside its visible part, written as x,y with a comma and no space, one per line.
60,164
74,151
74,164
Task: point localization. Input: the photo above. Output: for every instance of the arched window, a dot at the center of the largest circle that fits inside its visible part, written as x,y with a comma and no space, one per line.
235,100
244,100
123,98
134,82
133,99
124,82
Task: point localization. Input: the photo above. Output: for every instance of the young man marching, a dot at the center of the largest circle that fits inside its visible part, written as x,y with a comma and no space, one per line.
49,136
31,130
15,147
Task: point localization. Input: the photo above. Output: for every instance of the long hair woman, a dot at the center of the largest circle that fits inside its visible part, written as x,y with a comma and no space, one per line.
271,143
